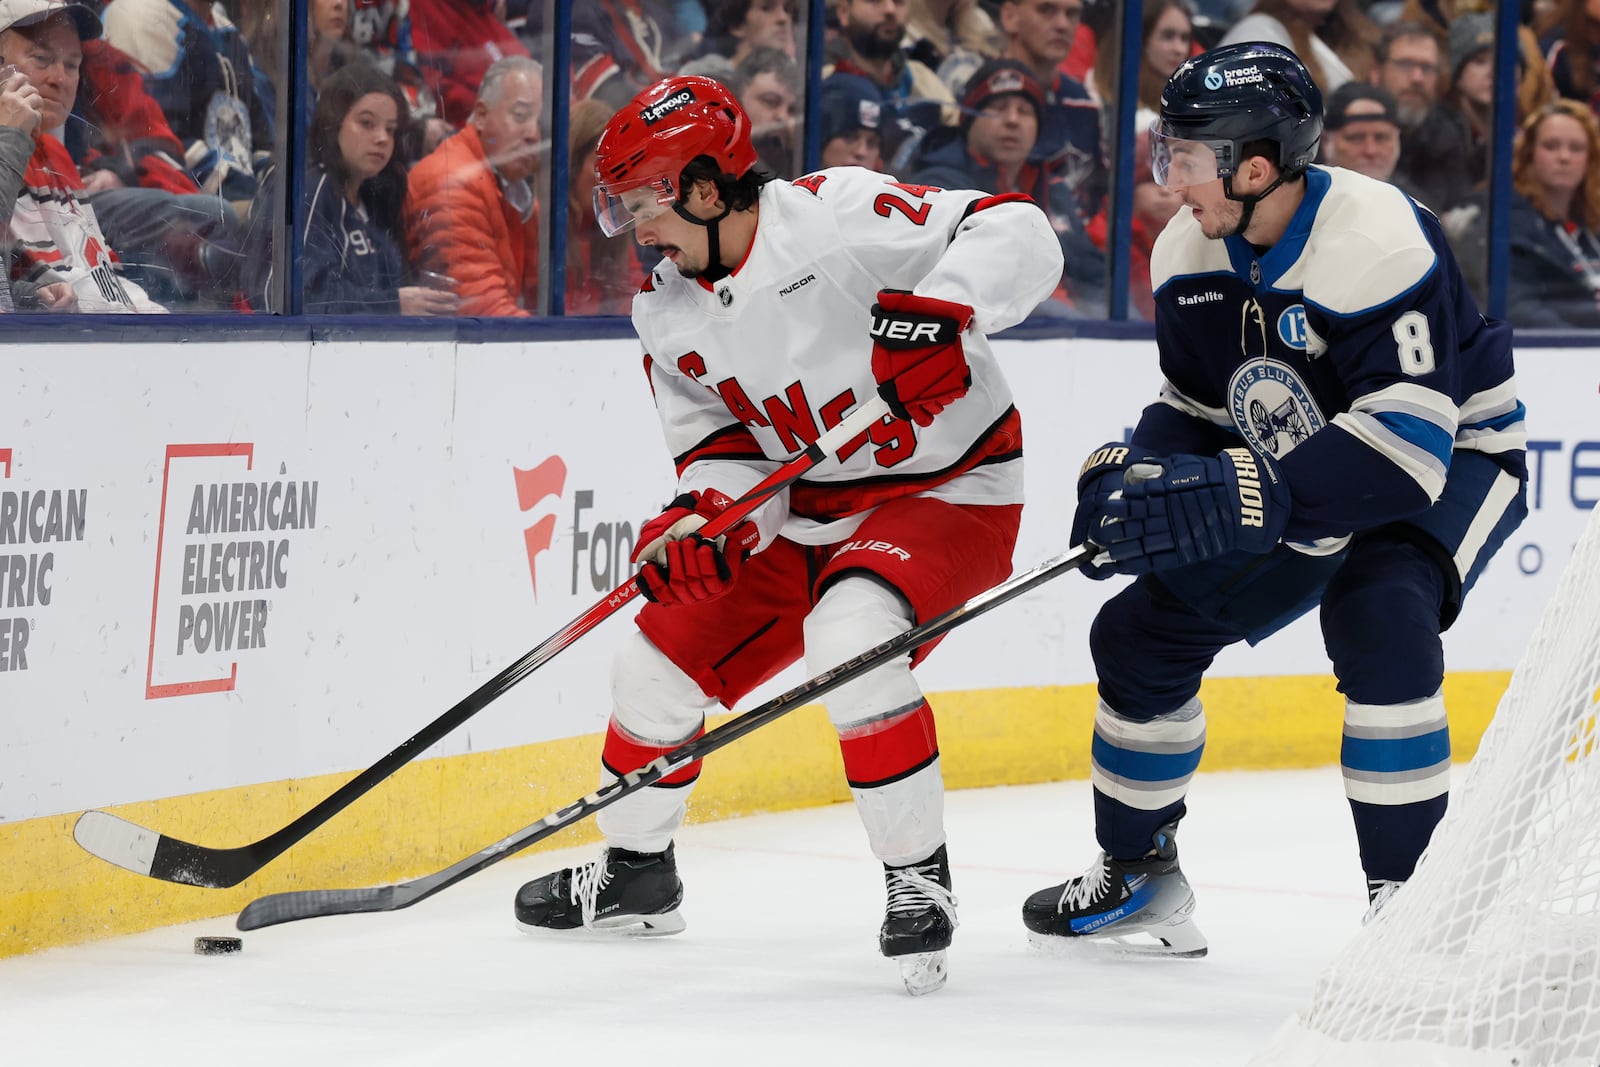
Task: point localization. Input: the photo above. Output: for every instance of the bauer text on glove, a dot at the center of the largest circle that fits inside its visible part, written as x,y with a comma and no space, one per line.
917,357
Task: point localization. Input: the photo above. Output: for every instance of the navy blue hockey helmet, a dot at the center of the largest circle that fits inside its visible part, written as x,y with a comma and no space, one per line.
1227,98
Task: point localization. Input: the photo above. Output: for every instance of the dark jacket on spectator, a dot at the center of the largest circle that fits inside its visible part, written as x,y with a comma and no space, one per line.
1554,272
199,70
456,42
942,159
459,223
1069,134
1433,163
1562,73
350,266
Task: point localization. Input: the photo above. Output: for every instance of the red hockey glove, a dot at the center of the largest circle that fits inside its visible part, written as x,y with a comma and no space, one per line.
917,357
680,566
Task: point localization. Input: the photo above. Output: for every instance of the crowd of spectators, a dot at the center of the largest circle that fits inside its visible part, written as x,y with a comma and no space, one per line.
137,137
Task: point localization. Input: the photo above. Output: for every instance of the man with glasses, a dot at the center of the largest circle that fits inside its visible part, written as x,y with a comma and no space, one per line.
1338,429
1410,65
777,309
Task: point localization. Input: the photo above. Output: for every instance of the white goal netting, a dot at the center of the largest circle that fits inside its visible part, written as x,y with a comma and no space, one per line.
1490,954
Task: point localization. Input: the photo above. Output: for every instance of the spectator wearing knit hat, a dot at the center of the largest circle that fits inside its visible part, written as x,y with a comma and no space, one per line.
1361,131
993,148
852,123
1470,102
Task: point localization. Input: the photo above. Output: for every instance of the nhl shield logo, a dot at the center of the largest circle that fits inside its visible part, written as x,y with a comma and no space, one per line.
1272,407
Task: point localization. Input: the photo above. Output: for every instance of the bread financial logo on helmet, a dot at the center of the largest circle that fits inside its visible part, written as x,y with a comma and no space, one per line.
1213,82
1244,76
655,112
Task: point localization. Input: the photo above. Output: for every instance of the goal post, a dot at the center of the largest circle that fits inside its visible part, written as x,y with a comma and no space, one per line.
1490,955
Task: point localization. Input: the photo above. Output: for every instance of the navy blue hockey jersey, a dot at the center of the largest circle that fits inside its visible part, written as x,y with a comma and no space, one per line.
1351,351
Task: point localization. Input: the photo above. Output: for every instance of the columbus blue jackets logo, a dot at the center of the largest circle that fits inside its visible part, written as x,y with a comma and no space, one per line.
1272,407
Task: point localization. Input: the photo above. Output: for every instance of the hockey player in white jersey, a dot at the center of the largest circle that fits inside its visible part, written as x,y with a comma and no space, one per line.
778,308
1339,429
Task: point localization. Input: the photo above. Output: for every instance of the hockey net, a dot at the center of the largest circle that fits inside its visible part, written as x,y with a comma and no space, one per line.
1490,954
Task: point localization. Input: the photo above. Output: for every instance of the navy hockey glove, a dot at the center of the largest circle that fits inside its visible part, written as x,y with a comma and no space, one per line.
1099,478
680,566
1187,509
917,358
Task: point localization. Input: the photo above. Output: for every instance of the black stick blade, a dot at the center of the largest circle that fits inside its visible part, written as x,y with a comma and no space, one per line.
278,908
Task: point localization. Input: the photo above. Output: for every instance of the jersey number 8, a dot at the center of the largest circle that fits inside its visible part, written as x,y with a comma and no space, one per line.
1416,348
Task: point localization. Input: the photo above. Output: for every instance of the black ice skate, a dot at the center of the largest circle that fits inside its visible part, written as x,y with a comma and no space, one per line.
920,921
622,892
1115,899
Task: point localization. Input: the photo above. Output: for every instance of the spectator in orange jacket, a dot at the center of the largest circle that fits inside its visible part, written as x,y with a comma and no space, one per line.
470,212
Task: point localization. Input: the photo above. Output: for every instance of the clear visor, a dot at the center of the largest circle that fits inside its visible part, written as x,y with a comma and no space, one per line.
620,206
1179,163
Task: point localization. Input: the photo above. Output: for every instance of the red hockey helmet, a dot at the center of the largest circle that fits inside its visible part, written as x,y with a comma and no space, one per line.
641,154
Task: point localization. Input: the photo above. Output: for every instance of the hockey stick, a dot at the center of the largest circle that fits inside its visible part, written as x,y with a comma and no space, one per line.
148,852
309,903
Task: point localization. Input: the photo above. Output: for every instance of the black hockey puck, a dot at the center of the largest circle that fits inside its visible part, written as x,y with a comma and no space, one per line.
218,946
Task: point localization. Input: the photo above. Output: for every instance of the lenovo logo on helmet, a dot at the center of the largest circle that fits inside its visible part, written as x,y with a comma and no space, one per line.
655,112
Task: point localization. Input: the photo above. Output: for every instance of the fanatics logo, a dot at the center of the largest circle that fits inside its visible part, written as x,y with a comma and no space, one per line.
1210,296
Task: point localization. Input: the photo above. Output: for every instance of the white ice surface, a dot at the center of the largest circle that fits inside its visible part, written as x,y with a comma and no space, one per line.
778,966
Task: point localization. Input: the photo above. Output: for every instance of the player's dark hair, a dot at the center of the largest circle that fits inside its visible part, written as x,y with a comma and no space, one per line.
1401,31
1269,150
738,193
384,194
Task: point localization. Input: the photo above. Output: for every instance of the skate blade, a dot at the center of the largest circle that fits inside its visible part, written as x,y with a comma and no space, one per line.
663,925
619,929
1174,940
924,972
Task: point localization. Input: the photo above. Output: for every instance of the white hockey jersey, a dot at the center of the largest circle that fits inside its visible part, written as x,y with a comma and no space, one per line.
750,369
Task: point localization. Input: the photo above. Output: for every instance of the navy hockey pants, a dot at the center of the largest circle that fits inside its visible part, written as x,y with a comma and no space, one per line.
1384,601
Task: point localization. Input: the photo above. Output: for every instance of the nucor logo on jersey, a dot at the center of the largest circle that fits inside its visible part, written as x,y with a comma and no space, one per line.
653,114
904,330
1210,296
792,286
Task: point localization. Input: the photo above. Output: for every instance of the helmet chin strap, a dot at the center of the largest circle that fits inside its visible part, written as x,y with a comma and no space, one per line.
715,271
1249,200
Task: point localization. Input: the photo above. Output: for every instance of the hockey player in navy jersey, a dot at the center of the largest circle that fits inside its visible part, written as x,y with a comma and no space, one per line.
1339,429
759,328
